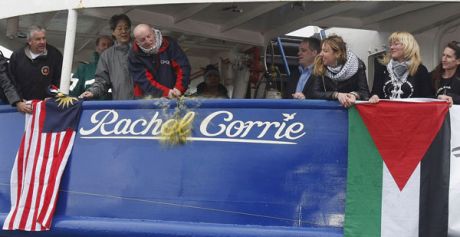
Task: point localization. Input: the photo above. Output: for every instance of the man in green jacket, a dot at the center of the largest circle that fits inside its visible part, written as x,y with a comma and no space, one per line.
84,76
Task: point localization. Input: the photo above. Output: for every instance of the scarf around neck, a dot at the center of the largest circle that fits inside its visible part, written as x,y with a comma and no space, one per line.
156,47
344,72
398,72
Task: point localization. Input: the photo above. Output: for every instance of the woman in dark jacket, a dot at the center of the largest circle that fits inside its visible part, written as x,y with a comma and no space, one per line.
211,87
403,74
340,74
446,76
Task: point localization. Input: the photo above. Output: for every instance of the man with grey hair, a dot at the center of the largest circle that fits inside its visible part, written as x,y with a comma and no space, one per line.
34,68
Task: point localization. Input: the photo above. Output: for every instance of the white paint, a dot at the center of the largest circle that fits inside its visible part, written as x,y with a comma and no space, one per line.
203,139
454,185
400,209
6,52
305,31
68,51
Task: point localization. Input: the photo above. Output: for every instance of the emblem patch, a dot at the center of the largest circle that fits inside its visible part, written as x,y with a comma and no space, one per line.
45,70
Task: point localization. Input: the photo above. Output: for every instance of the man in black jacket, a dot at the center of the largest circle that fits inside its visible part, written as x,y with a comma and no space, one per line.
300,81
34,68
8,92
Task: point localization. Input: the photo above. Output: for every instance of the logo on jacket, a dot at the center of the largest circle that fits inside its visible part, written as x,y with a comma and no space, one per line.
164,62
45,70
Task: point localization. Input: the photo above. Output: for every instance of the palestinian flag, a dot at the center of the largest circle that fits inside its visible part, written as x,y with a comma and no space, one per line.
399,168
454,181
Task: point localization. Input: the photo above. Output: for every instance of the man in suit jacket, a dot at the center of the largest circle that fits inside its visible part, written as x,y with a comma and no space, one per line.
300,81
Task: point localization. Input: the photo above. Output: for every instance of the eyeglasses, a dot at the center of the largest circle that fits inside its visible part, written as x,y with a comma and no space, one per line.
396,44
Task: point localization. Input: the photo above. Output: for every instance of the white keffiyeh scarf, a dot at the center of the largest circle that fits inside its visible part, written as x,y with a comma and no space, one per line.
344,72
398,72
158,42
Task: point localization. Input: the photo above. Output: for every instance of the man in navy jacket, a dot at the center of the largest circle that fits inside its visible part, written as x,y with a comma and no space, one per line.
157,64
300,83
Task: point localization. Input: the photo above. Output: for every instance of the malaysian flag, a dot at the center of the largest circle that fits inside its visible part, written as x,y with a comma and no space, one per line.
40,162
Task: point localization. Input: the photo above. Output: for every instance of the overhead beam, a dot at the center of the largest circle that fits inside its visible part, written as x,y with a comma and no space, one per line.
190,11
427,18
190,45
46,19
251,14
102,13
61,33
197,28
442,22
397,11
96,31
310,19
339,21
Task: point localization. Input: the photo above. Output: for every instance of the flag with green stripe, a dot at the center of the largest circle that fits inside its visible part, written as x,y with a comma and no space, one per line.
398,170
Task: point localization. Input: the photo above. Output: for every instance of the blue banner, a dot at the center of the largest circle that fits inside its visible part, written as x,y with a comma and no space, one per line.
262,163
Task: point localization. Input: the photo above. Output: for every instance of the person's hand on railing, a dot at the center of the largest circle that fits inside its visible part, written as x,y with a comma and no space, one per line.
86,95
374,99
24,107
446,98
298,95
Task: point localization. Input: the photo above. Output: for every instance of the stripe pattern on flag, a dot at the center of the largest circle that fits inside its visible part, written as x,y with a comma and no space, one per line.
454,182
40,161
377,204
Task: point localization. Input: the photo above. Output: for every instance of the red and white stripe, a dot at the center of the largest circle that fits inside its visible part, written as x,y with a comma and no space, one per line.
36,174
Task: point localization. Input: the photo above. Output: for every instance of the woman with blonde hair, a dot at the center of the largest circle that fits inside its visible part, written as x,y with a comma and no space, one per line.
403,74
340,75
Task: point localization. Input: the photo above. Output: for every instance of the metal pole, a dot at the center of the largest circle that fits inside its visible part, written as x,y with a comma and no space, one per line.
68,50
286,65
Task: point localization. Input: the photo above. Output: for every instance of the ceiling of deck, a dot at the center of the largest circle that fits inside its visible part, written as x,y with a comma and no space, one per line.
209,27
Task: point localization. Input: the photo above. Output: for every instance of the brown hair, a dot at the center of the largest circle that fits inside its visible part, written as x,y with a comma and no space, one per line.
338,46
438,71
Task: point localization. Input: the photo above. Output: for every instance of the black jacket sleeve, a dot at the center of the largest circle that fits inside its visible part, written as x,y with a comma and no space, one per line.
425,86
362,87
380,75
57,57
291,85
319,90
455,91
7,85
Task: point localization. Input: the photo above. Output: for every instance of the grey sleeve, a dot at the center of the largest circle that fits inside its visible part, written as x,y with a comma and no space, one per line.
7,85
101,83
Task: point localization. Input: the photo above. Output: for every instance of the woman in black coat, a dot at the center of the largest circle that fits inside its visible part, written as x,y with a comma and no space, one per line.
340,75
402,75
446,76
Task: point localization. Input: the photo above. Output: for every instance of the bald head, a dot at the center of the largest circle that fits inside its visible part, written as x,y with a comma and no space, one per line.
142,29
144,35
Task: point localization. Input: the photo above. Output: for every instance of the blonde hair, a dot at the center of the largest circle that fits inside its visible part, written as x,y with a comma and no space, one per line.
338,46
411,50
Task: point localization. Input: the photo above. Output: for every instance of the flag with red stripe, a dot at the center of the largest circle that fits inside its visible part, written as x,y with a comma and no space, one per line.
42,156
399,164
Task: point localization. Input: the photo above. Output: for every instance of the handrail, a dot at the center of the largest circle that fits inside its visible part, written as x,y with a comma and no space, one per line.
286,65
